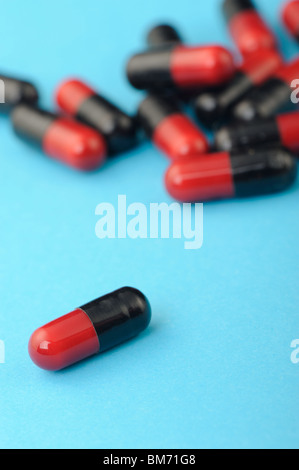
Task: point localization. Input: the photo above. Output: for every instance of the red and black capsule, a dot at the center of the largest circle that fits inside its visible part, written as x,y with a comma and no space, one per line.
163,35
247,28
180,67
94,328
212,107
61,138
290,17
171,130
281,130
16,91
79,100
271,97
226,175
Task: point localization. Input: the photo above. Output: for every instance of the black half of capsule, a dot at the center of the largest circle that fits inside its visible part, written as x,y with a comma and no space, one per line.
263,171
212,107
252,134
16,91
264,101
117,127
158,61
32,123
119,316
163,35
233,7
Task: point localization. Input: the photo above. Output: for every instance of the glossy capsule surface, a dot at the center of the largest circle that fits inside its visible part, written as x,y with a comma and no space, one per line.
81,101
290,17
281,130
170,130
61,138
180,67
212,107
226,175
247,28
271,97
90,329
16,91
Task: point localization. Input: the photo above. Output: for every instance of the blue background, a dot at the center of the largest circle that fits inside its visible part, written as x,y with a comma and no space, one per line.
214,368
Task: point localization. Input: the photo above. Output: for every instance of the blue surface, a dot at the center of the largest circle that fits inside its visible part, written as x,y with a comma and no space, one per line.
214,368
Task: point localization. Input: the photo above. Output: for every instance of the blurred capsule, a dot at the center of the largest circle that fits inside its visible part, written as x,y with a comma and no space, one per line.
180,67
226,175
78,99
271,97
170,130
62,138
212,107
290,17
16,91
247,28
163,35
281,130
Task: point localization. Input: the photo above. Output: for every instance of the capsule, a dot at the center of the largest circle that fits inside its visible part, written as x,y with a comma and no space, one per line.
94,328
282,130
79,100
227,175
16,91
212,107
170,130
271,97
180,67
248,30
61,138
166,36
290,17
163,35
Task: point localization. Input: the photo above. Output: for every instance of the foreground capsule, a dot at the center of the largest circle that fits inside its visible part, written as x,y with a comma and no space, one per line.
180,67
211,107
282,130
224,175
271,97
163,35
79,100
16,91
248,30
290,17
61,138
170,130
91,329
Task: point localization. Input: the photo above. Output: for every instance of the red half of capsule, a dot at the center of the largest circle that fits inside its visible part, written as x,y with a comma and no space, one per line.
179,138
290,16
71,94
201,66
250,33
261,65
75,144
289,72
64,341
288,126
201,179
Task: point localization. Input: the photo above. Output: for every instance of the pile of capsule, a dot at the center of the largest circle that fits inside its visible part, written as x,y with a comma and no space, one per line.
247,105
